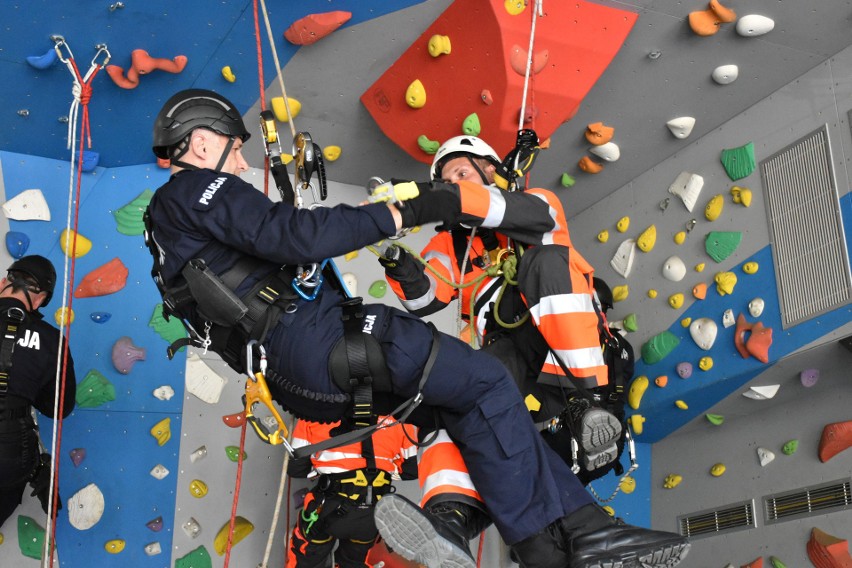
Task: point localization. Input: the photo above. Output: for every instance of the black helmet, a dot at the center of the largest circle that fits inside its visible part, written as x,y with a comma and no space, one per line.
604,293
39,269
191,109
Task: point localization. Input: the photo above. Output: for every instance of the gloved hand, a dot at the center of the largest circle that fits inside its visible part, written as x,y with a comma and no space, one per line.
437,201
399,264
40,483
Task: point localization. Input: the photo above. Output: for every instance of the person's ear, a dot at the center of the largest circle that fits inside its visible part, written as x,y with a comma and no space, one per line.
37,299
198,144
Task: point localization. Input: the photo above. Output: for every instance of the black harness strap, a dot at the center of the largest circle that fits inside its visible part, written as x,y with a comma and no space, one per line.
12,320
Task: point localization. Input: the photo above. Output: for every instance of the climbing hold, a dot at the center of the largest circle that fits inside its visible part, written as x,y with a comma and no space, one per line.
647,239
598,134
636,423
162,431
202,381
827,551
835,438
608,152
652,293
94,390
685,322
331,153
514,7
234,420
142,64
198,454
171,330
622,260
197,488
741,195
428,146
687,186
690,225
242,528
739,162
725,282
715,419
725,74
717,470
439,45
155,525
703,332
125,354
128,218
519,57
728,318
486,97
676,300
758,342
623,224
751,267
706,22
378,289
63,316
415,94
776,562
681,127
43,61
620,293
790,447
699,267
672,480
700,291
765,456
755,307
153,549
279,108
350,255
722,244
809,377
198,558
681,405
754,25
228,74
637,389
674,269
191,527
627,484
29,205
159,471
164,392
77,456
314,27
17,243
762,392
532,403
471,126
705,363
114,546
351,283
589,166
658,347
233,453
630,323
680,237
30,537
90,160
714,207
86,507
108,278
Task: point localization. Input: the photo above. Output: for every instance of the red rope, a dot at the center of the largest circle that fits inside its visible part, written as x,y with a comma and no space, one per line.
236,494
481,547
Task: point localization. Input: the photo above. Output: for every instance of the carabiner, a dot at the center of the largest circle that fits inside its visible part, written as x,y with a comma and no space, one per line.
102,48
250,359
58,44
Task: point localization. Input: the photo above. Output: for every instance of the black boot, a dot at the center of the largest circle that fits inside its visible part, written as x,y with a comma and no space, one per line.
596,429
463,519
543,550
596,540
418,535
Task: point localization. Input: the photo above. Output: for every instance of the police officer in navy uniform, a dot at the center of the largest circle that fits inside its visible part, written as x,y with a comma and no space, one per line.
206,220
29,358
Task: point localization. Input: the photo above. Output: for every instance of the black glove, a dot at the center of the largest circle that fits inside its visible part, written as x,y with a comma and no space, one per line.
437,201
400,265
40,482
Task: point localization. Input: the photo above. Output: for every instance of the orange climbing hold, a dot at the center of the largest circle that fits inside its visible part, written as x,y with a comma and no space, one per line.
756,563
589,166
235,420
598,133
758,343
141,64
108,278
835,438
706,22
314,27
827,551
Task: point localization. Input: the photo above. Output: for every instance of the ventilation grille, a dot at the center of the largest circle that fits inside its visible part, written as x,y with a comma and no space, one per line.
731,518
816,500
806,229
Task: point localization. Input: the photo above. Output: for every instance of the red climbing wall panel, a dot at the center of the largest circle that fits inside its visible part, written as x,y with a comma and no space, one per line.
574,43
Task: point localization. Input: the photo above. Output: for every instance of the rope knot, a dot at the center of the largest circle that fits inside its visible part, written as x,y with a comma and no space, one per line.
85,94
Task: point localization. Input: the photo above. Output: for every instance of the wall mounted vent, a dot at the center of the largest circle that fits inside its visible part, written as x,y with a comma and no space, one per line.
736,517
806,229
807,502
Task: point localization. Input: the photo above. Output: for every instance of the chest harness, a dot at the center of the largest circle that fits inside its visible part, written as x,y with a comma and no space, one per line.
11,321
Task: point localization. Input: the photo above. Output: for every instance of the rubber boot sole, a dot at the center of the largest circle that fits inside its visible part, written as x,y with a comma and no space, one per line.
664,556
411,534
598,429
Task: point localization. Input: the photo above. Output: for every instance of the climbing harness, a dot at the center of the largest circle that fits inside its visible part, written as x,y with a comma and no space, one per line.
11,323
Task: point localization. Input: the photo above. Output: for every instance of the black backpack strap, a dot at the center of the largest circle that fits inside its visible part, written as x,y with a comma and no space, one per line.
12,319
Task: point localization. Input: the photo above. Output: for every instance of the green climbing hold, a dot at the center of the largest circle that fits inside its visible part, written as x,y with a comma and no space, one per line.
658,347
471,125
233,453
715,419
378,289
790,447
567,180
94,390
739,162
630,323
129,218
722,244
428,146
171,330
30,537
198,558
776,563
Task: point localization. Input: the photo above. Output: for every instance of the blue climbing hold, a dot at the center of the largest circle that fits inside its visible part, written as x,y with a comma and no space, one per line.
100,317
17,243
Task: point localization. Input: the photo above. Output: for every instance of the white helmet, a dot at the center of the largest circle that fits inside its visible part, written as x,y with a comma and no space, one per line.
466,145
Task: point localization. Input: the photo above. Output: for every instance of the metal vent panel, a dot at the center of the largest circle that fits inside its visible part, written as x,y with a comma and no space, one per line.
736,517
809,501
806,229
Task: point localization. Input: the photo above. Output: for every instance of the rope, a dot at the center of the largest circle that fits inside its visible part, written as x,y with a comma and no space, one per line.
633,467
282,489
236,500
480,549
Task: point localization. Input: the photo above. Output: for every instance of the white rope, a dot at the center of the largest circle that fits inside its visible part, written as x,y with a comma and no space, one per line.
282,487
278,67
537,11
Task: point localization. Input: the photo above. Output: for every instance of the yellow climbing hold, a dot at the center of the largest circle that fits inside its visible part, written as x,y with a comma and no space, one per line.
114,546
609,510
280,109
228,74
603,236
676,300
751,267
627,484
620,293
699,267
197,488
637,389
68,245
672,480
162,431
533,404
63,316
717,470
714,207
681,404
705,363
242,528
439,45
647,239
623,224
636,421
725,282
415,94
652,293
514,7
685,322
351,255
331,153
741,195
680,237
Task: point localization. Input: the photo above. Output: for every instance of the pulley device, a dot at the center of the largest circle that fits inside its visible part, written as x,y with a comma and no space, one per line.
510,174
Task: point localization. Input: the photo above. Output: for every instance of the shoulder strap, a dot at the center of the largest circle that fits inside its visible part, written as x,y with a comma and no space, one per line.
12,319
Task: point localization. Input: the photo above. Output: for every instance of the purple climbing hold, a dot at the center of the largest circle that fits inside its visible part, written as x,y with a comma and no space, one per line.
125,354
684,370
809,377
77,456
155,525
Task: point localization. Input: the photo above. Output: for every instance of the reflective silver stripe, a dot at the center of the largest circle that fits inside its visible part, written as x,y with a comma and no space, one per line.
563,304
496,208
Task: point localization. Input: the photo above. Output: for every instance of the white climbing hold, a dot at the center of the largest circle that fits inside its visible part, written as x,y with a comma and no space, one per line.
86,507
622,261
153,549
762,393
608,152
681,126
765,456
191,528
198,454
29,205
754,25
159,471
687,186
726,74
728,318
703,332
755,307
674,269
202,381
351,282
164,392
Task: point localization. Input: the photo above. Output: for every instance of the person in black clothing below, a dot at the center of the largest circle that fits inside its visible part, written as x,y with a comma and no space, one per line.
31,353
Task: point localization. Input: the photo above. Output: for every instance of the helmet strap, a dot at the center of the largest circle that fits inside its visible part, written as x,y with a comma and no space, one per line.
224,156
478,170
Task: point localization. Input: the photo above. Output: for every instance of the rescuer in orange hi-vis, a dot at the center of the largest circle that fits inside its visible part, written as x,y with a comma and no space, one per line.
350,479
